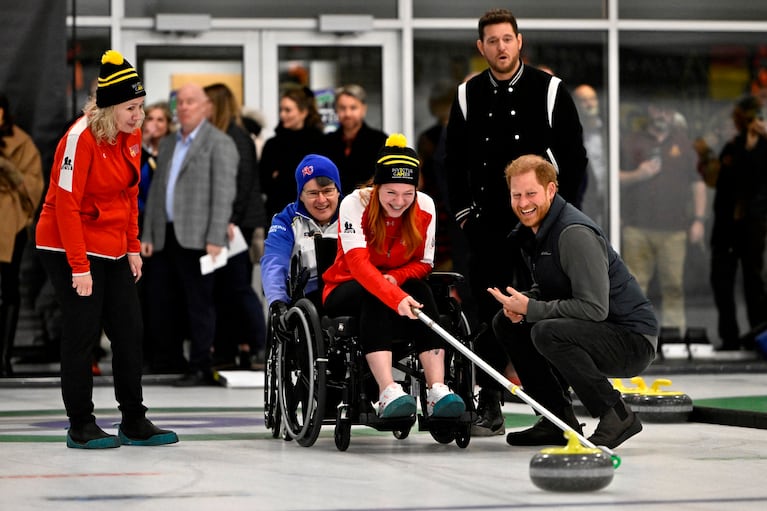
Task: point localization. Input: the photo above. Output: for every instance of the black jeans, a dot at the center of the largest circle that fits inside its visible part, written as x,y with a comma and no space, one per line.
554,354
176,279
744,244
379,324
113,306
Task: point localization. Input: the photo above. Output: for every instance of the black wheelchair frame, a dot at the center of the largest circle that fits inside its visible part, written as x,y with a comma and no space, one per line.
316,373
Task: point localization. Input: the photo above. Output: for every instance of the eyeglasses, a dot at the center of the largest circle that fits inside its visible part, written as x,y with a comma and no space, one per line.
328,193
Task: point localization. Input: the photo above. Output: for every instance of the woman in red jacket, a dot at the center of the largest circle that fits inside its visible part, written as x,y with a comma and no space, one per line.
385,252
87,239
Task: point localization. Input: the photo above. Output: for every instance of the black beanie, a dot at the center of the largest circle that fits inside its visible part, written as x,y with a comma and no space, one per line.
396,162
118,81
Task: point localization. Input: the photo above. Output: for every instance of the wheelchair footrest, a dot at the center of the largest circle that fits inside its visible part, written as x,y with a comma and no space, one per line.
391,424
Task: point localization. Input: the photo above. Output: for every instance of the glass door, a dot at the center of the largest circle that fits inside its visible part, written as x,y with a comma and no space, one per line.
324,62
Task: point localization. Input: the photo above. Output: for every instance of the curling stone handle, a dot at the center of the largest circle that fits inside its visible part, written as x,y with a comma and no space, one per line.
514,389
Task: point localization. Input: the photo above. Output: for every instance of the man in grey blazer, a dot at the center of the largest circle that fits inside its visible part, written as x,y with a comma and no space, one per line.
187,211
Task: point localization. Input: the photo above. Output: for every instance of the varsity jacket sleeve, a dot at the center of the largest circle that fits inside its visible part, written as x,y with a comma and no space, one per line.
567,147
275,263
457,164
357,256
583,257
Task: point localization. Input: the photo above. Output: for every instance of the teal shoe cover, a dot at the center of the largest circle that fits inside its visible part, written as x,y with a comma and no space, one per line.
449,406
403,406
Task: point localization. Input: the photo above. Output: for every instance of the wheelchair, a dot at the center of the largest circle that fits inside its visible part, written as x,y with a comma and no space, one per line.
316,372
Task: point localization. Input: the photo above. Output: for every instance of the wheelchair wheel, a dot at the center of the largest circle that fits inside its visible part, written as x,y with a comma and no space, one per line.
463,437
301,374
443,436
343,433
272,415
401,434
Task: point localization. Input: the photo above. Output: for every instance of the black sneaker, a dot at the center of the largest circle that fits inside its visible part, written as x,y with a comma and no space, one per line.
143,432
490,420
545,432
616,426
90,436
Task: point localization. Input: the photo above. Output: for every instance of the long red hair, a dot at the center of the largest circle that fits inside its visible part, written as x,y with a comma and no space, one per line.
375,227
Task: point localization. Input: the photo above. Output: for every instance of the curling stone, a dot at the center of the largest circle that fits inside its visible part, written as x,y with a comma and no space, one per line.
573,468
656,405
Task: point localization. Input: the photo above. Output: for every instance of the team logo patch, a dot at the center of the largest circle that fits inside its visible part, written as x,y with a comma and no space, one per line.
66,174
307,171
348,227
133,150
66,165
402,173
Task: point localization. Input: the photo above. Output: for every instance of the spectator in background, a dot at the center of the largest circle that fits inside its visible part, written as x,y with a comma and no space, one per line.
353,147
498,115
740,224
158,123
663,206
298,134
595,197
21,188
87,239
187,215
431,152
240,323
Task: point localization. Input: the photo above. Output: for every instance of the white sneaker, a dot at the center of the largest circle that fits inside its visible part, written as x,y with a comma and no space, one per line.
442,402
394,402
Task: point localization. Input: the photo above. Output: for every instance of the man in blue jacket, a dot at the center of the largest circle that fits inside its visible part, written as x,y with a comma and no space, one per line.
292,231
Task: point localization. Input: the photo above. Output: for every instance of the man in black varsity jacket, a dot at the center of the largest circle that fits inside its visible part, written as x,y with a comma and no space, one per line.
506,111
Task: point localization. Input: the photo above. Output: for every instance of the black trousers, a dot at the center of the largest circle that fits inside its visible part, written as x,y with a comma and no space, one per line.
176,279
745,245
239,313
554,354
10,293
379,324
113,306
494,261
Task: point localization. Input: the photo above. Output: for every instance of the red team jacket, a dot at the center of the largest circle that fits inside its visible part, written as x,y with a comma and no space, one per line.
91,207
356,261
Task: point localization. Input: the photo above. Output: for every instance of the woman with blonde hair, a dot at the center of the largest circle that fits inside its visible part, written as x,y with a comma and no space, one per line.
87,240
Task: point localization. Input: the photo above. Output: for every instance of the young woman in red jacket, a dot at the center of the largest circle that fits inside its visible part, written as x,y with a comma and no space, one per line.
385,252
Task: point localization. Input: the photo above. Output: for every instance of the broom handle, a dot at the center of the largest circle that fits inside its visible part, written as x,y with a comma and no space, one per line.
514,389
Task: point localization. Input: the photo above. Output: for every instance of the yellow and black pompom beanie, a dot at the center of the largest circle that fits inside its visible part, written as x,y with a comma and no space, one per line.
396,162
118,81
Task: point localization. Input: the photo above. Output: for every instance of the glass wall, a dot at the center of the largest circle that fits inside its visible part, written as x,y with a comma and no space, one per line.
695,58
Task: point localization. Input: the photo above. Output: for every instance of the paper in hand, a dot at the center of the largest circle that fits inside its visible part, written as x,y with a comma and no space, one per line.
208,265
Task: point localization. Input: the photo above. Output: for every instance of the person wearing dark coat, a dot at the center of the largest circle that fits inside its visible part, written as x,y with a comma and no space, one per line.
298,134
354,146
